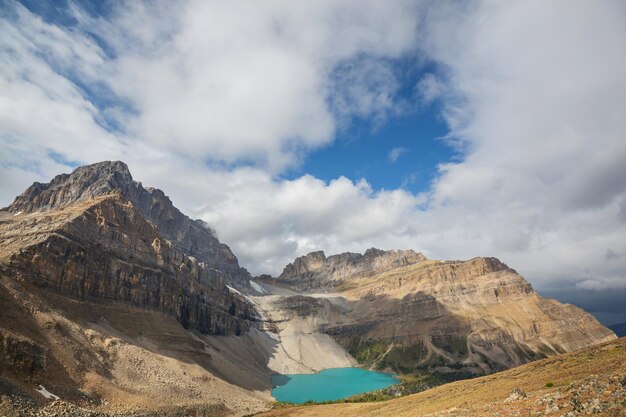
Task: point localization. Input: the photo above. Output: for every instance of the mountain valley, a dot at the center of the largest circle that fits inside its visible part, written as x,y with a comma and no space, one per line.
115,301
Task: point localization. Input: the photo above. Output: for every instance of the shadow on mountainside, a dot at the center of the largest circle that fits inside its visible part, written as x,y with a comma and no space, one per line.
418,334
94,336
27,358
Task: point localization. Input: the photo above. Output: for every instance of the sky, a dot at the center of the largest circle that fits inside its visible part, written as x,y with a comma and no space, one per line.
455,128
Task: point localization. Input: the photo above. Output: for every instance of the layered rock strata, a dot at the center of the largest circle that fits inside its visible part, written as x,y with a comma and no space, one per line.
403,312
104,248
193,237
315,270
112,297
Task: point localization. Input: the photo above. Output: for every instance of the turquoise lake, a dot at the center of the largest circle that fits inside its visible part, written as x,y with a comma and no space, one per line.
330,384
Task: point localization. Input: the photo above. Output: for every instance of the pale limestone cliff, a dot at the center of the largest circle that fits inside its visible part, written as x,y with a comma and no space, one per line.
316,270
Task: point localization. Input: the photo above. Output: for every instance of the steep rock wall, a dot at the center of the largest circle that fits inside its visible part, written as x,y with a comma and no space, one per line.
315,270
110,251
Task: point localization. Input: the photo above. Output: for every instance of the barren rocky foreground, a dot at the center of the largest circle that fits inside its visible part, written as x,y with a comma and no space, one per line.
116,302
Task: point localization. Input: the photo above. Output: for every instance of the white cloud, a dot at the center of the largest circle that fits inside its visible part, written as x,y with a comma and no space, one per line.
430,88
364,88
226,96
535,98
252,81
268,222
41,111
396,153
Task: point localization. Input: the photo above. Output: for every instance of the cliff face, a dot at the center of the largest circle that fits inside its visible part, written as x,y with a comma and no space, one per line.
316,270
194,237
454,319
97,233
106,249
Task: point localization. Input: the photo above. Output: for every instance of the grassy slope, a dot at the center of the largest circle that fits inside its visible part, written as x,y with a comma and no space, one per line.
597,372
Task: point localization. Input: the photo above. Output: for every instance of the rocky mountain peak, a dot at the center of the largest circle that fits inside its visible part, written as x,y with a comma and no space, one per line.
316,270
84,182
373,252
312,257
194,237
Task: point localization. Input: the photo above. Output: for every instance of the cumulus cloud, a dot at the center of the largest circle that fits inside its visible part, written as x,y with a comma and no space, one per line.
537,97
44,115
365,88
228,96
239,83
268,222
252,82
214,87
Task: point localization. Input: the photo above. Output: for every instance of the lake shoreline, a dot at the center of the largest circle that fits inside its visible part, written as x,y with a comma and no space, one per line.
329,384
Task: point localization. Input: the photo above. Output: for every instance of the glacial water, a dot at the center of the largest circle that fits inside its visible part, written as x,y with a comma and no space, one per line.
330,384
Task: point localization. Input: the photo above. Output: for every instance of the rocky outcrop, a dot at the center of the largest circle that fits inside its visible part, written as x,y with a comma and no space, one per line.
20,356
316,270
194,237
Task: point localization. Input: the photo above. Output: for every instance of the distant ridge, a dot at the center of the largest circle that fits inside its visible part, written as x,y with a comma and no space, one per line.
317,270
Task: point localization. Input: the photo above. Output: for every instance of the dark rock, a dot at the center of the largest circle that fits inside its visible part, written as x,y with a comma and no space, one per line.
21,356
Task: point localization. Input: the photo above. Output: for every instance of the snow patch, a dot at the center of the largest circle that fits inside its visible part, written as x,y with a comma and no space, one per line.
256,287
43,391
231,289
18,213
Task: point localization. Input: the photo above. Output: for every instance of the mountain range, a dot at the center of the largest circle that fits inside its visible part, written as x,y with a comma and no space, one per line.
114,300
